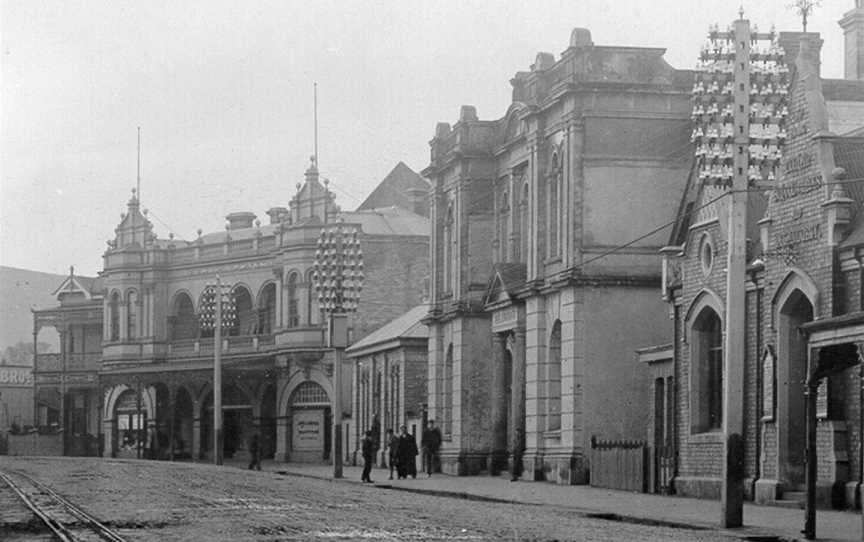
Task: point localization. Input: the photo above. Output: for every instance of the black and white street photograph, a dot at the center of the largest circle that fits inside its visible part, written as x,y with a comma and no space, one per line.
417,270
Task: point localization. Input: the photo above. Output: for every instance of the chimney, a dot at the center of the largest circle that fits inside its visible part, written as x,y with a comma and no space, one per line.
277,214
240,220
791,44
852,24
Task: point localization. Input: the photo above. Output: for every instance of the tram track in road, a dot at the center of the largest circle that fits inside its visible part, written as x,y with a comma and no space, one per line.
66,521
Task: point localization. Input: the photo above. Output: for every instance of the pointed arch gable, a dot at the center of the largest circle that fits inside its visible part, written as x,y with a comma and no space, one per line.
705,298
795,279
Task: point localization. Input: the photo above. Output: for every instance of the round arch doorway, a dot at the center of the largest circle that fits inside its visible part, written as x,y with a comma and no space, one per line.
310,423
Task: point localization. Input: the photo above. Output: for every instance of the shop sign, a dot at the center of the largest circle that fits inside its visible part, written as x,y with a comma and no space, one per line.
308,430
16,376
505,318
811,232
798,187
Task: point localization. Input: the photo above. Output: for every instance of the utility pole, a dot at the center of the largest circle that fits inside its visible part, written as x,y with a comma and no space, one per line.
737,83
217,376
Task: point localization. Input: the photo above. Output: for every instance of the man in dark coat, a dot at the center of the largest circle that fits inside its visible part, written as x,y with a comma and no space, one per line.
407,454
255,452
431,443
368,449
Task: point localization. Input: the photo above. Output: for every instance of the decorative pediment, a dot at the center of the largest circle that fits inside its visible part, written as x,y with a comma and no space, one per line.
506,278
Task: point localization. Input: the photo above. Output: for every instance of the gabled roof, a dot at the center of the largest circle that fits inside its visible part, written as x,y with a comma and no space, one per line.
408,326
505,277
89,286
395,189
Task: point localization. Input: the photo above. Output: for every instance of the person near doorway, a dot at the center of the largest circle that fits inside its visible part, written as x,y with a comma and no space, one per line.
255,452
368,449
407,454
430,444
392,451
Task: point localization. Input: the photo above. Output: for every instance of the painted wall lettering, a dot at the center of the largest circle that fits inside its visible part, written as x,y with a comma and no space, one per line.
811,232
798,162
798,187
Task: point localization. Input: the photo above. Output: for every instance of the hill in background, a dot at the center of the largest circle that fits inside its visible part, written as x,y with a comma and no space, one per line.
20,291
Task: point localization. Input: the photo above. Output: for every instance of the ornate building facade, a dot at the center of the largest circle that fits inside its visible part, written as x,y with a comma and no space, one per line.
150,371
803,296
540,294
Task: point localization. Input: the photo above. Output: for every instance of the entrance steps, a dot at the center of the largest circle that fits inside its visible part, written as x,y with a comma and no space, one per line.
794,498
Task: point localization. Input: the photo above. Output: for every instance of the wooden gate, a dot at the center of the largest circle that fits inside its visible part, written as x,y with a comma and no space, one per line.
619,464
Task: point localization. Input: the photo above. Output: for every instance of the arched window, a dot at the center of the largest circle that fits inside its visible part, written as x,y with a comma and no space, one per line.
706,356
267,310
114,316
447,393
131,314
553,382
293,304
523,219
246,321
313,315
553,206
447,262
183,323
503,224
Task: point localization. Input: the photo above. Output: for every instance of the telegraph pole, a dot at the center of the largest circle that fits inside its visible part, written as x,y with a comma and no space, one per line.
737,83
732,492
217,376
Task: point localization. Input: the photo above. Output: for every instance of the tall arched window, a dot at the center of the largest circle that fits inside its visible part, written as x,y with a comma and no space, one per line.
293,302
447,393
246,321
313,311
447,263
503,224
553,206
267,309
114,316
707,365
183,323
523,218
553,382
131,314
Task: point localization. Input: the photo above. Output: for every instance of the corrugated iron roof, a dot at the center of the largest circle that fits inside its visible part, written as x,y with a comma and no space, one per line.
407,326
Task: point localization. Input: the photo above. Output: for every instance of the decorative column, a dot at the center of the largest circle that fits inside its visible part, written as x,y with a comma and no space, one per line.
517,423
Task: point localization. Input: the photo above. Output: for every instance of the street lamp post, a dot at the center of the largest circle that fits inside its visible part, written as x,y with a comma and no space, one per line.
338,278
217,311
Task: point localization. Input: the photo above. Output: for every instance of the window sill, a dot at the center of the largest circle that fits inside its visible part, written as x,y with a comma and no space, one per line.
713,435
552,435
550,261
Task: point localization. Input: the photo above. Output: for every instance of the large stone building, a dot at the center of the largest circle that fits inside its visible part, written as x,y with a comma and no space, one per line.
539,292
804,303
136,368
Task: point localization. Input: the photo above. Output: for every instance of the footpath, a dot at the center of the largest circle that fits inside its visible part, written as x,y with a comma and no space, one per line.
762,523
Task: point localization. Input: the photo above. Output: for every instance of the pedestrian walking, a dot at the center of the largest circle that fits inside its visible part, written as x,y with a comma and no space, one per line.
407,454
255,452
368,449
430,443
392,451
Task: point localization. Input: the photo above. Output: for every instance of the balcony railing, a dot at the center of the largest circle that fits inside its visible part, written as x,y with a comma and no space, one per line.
230,345
75,361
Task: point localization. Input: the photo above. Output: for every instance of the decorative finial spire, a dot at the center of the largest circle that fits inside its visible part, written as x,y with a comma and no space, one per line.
804,9
741,12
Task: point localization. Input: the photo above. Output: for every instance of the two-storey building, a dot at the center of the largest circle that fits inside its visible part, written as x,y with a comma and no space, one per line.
151,374
544,258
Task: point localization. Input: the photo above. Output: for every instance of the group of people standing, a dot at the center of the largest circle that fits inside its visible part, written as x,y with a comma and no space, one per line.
402,452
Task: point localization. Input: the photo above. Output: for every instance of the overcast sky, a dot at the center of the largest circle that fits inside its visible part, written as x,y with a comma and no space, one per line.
223,94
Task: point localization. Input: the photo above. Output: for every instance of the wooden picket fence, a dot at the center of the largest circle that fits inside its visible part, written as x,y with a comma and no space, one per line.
620,464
